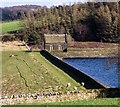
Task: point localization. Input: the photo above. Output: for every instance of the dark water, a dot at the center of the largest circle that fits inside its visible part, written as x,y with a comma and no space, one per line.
104,70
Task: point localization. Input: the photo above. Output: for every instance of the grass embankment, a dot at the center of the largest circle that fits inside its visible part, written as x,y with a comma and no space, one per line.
10,26
89,49
30,72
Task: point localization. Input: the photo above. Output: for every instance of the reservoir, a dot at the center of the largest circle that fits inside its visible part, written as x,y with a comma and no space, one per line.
104,70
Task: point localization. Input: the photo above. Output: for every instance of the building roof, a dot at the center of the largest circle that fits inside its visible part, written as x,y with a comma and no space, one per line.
55,38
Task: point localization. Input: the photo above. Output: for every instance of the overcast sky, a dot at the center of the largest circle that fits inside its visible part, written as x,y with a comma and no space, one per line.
48,3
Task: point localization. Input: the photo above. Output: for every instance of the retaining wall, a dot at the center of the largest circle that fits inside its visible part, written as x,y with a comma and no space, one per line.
78,76
60,96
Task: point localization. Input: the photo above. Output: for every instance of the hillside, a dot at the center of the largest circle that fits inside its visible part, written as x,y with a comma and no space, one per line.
10,26
30,72
14,12
84,22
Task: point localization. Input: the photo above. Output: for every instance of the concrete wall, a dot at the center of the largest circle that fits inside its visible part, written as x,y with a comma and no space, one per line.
72,72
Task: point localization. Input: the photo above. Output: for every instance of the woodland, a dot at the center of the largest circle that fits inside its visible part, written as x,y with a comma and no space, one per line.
91,21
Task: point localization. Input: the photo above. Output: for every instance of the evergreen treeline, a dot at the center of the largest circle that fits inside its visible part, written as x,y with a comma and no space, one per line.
84,22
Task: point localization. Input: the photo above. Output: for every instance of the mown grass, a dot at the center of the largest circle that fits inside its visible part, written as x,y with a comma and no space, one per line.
10,26
30,72
100,101
105,102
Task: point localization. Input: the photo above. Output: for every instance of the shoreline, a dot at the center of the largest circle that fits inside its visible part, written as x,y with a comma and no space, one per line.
67,55
83,57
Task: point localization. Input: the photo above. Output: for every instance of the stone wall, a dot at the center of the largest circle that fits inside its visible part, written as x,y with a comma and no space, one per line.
55,47
55,42
59,96
48,97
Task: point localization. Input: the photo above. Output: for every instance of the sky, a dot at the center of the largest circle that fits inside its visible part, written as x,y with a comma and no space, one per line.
48,3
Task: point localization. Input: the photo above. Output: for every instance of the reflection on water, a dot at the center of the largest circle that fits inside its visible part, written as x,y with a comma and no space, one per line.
104,70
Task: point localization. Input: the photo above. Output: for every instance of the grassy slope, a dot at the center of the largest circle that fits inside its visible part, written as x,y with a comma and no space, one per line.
10,26
89,49
29,72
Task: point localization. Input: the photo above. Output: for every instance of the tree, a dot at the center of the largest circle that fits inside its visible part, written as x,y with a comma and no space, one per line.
34,38
99,21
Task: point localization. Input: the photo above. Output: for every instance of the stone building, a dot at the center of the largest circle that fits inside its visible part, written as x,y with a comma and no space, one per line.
55,42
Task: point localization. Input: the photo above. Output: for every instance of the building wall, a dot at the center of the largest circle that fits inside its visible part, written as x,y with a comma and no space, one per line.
55,42
55,47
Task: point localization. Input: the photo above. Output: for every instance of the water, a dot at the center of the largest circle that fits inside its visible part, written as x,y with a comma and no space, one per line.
104,70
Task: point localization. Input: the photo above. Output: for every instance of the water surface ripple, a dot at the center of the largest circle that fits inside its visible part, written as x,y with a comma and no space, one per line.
104,70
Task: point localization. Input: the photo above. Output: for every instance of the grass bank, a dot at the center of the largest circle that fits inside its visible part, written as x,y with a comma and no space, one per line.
89,49
30,72
10,26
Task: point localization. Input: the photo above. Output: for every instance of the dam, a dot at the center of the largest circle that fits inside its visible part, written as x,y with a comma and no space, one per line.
77,75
